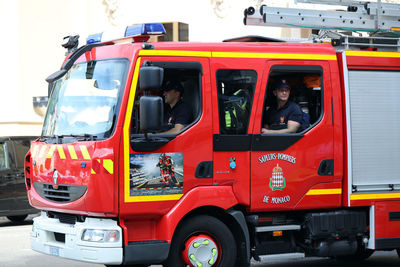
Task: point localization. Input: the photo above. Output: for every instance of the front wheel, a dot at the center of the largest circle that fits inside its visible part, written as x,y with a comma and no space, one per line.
202,241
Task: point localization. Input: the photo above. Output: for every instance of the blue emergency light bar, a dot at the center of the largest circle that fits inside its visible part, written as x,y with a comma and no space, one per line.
144,29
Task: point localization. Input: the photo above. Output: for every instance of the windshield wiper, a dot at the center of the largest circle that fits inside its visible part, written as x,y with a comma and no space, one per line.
47,137
57,139
90,137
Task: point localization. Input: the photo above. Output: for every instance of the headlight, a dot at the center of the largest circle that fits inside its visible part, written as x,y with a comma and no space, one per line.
104,236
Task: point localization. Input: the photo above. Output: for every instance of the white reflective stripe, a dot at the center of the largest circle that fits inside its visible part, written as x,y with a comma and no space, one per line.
348,126
371,241
277,228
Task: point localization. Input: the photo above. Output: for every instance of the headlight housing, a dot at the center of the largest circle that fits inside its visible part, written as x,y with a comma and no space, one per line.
102,236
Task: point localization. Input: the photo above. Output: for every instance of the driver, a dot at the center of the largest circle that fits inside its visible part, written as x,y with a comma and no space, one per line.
285,116
177,114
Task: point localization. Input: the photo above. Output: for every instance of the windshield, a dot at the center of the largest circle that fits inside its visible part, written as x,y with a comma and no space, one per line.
85,101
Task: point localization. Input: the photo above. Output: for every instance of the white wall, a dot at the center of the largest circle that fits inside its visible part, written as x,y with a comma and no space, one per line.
32,32
9,82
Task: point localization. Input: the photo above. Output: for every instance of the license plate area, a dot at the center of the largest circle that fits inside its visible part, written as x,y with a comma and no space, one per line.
55,251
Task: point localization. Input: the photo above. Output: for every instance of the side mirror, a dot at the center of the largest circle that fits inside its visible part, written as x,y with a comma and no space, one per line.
151,113
151,77
56,75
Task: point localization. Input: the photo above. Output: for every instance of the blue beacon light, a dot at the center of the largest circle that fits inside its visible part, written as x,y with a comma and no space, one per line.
144,29
94,38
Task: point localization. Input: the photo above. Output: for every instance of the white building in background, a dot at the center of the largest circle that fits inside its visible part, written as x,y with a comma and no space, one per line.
32,32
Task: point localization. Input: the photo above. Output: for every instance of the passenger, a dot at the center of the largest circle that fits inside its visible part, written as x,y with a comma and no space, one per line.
284,116
177,114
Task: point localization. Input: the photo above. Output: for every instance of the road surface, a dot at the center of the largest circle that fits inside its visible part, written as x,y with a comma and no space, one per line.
15,252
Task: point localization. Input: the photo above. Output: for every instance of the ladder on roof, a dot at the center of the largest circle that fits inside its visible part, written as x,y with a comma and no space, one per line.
380,20
359,16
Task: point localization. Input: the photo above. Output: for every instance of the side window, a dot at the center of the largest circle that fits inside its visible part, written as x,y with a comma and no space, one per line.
181,93
4,161
235,97
293,100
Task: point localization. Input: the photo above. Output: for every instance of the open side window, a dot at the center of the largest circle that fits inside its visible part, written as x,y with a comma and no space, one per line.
235,97
154,126
188,75
306,92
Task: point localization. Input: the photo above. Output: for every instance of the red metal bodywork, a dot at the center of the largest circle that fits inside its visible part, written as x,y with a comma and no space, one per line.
247,185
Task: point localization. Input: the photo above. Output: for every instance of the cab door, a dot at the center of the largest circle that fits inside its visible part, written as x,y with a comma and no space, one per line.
162,171
295,170
235,83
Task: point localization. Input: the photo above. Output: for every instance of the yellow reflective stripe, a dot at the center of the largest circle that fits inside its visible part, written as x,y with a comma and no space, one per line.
84,152
372,54
374,196
34,150
42,150
174,53
273,55
127,125
108,165
316,192
155,198
51,151
179,53
92,171
61,151
72,152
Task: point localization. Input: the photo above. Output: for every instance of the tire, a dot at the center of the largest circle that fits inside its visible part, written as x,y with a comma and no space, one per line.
398,252
205,237
17,218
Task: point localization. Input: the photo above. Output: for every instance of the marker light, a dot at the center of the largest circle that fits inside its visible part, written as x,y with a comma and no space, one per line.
139,32
102,236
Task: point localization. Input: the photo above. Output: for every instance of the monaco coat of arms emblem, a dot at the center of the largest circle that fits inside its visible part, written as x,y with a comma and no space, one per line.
277,181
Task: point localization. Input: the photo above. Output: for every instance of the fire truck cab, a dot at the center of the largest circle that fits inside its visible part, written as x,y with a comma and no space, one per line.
113,188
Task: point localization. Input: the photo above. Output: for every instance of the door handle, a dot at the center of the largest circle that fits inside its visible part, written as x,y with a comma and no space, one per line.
326,167
204,170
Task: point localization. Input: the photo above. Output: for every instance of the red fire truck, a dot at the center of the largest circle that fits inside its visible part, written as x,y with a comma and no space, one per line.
114,189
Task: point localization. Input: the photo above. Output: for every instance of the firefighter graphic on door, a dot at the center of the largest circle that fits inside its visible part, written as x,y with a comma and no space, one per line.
167,173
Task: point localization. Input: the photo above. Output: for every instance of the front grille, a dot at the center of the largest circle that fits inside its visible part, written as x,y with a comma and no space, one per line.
66,218
63,194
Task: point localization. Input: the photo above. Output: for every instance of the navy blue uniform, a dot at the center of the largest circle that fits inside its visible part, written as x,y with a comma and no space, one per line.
181,113
278,118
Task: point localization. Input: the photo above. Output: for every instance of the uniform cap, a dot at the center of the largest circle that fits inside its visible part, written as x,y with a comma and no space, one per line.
173,85
282,83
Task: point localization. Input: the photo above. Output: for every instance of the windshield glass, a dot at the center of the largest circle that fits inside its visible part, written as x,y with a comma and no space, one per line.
85,100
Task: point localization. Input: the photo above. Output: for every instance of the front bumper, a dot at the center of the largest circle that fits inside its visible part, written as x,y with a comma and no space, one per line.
50,236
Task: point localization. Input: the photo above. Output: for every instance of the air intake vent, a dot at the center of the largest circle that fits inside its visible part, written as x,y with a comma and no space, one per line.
66,218
63,194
